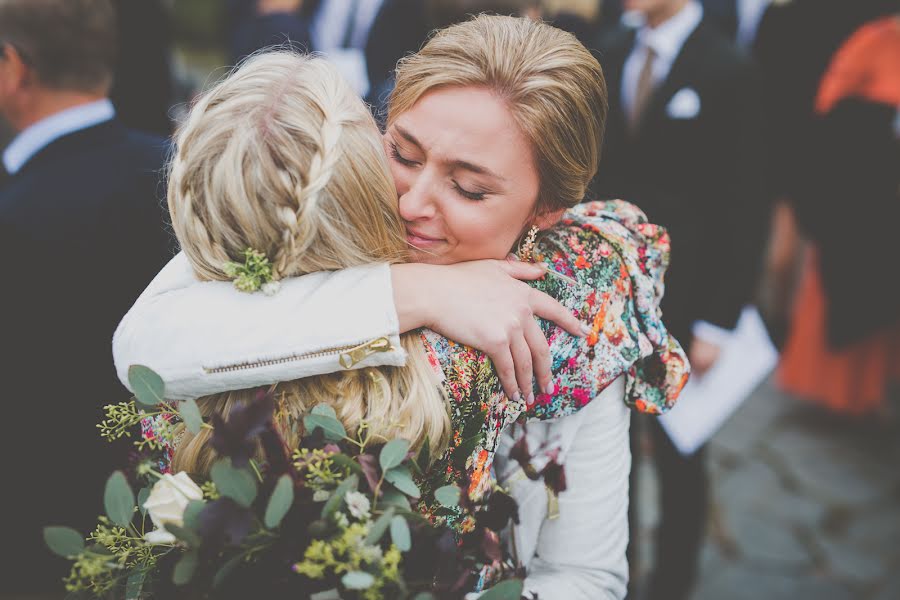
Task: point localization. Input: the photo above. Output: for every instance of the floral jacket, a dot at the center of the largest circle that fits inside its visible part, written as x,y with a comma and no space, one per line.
617,260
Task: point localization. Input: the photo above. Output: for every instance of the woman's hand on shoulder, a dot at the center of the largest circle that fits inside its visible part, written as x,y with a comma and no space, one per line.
486,305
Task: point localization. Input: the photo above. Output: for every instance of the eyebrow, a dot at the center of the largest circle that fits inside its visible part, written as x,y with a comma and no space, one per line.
457,163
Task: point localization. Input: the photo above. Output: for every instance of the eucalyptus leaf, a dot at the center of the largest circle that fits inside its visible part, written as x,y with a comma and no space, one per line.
344,461
511,589
378,528
332,428
64,541
190,414
400,535
134,585
226,569
447,495
184,569
184,534
118,499
424,596
237,484
323,409
334,502
403,481
192,514
392,497
280,502
142,496
147,385
393,453
358,580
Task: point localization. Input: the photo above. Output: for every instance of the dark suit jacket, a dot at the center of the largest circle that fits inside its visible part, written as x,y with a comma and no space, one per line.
700,177
81,234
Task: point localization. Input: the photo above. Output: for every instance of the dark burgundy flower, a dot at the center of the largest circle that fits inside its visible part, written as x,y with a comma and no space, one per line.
224,522
555,476
237,437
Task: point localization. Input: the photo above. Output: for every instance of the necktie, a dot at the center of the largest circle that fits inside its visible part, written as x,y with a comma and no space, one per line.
643,91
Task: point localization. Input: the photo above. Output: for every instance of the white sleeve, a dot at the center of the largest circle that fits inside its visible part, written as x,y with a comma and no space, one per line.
206,337
581,553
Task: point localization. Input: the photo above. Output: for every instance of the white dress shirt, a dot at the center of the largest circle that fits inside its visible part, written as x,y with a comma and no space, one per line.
666,40
749,15
38,136
329,28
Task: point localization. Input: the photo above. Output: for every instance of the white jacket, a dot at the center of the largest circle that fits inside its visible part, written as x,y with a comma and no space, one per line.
203,338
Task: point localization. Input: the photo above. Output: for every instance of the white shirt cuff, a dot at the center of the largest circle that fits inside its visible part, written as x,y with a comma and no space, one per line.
710,333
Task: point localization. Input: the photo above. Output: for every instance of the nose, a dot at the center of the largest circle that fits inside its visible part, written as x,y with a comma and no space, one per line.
419,201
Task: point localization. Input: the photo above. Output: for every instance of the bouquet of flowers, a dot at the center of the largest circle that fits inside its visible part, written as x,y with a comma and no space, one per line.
340,517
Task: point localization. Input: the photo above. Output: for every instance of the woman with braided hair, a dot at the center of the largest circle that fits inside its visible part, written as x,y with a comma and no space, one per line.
281,165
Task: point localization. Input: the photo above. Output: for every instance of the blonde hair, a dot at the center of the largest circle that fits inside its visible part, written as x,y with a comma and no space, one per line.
553,86
284,158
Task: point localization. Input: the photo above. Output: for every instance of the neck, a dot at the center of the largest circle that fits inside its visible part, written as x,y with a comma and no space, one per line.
45,104
666,12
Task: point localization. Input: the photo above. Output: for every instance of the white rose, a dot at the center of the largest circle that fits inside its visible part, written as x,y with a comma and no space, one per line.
166,505
358,504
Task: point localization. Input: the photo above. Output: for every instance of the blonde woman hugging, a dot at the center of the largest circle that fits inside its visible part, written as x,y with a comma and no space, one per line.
389,255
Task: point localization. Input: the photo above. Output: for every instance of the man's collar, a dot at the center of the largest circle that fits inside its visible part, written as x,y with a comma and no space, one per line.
668,37
38,136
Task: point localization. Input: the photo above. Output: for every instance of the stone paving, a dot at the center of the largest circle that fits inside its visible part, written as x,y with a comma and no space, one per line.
805,505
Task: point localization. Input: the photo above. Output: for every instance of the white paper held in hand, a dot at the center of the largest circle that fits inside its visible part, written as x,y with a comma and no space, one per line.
706,403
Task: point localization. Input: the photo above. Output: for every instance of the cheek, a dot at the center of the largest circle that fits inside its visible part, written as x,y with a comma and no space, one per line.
481,232
402,180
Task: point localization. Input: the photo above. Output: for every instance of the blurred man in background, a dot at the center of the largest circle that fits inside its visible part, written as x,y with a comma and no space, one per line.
683,142
81,232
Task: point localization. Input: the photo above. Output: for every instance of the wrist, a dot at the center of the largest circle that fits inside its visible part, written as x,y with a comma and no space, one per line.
410,296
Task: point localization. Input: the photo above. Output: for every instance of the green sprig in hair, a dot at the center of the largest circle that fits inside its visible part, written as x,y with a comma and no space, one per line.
255,274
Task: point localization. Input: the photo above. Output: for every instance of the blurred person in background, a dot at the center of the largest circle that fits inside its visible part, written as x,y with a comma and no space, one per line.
792,73
738,19
81,230
843,344
683,143
363,38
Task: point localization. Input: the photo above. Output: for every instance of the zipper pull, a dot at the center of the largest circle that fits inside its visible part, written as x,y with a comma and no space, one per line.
354,356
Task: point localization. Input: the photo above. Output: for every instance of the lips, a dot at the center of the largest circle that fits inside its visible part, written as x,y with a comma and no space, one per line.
417,238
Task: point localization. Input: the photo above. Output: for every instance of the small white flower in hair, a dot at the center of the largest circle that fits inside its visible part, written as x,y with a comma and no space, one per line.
271,288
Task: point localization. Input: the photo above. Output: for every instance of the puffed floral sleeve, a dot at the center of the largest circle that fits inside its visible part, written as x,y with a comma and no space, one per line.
618,261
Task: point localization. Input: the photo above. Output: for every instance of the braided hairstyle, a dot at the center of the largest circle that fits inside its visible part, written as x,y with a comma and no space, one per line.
282,157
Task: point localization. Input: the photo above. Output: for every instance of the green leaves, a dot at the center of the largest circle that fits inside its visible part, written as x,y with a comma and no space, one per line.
64,541
190,414
324,416
357,580
147,385
393,454
511,589
237,484
337,497
280,502
400,534
134,585
447,495
184,569
118,499
403,481
379,527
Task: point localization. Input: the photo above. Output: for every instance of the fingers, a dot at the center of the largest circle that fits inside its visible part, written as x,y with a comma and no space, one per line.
547,308
540,356
503,363
521,354
522,270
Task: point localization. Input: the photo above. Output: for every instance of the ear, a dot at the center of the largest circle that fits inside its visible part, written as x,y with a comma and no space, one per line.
13,70
549,218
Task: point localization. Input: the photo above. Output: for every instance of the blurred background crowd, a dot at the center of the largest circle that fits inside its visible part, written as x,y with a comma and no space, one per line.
762,133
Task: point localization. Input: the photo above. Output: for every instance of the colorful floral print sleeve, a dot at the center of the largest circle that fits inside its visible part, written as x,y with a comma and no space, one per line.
617,260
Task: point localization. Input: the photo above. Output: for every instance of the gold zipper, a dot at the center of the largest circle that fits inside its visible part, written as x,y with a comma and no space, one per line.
348,356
